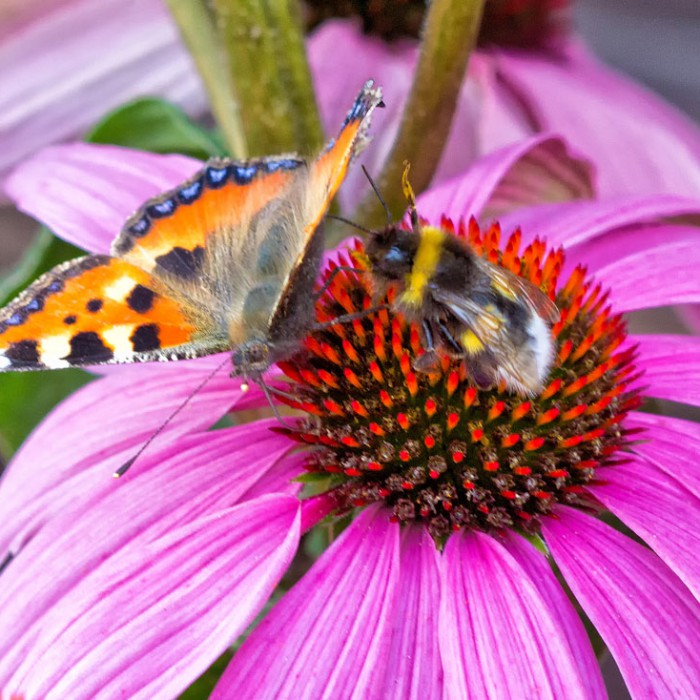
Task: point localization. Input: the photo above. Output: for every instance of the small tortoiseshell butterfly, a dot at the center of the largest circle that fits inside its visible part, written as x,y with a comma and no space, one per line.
225,261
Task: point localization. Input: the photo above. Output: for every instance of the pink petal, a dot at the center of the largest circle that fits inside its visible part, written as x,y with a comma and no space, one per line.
638,143
644,613
330,635
669,277
673,445
671,366
151,618
414,667
190,479
574,223
660,510
568,622
75,62
535,171
78,446
499,637
84,193
181,482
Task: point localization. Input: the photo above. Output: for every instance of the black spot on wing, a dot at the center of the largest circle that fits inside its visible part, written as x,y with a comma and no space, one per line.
88,347
70,320
141,299
145,338
23,352
94,305
182,262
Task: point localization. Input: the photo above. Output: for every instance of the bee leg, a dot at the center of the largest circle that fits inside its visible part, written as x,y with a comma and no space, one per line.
429,359
331,277
446,334
348,317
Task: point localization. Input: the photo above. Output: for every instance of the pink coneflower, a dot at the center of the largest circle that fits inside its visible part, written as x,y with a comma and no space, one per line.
513,93
457,502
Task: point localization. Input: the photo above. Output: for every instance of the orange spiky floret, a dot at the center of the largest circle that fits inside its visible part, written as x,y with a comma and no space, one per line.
437,449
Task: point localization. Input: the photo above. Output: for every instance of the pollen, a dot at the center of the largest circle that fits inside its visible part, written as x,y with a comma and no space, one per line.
438,450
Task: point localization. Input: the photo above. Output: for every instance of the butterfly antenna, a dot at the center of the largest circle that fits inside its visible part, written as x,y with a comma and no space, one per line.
348,222
128,464
378,193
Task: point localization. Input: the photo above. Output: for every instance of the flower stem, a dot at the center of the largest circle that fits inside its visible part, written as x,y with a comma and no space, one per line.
196,25
264,46
449,35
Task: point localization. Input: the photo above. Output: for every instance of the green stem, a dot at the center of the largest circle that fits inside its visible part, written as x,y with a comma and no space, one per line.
197,28
267,66
449,35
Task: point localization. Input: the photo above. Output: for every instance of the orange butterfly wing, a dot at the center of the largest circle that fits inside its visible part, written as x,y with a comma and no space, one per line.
96,310
188,264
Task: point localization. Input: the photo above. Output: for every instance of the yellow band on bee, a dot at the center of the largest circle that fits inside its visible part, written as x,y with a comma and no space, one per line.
471,344
424,265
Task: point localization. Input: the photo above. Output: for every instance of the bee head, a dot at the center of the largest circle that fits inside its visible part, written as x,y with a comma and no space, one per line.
391,252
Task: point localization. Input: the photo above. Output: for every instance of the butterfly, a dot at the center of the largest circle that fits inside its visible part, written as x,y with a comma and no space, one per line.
223,262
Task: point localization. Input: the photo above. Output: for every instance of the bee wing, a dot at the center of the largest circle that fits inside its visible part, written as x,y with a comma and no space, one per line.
484,323
513,286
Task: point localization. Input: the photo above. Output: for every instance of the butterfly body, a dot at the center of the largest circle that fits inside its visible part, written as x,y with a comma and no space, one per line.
466,306
225,261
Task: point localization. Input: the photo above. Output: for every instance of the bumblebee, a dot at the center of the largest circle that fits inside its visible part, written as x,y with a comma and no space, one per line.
465,306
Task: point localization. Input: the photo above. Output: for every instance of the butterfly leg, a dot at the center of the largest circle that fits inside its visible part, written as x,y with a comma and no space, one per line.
268,391
349,317
331,277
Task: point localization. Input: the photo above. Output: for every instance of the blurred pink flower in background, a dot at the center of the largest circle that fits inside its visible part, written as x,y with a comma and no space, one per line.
638,143
134,589
64,65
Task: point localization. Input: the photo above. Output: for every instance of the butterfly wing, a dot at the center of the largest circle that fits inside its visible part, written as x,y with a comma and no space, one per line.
325,175
98,310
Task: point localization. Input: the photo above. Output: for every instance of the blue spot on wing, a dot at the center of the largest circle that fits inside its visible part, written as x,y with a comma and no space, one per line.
244,174
273,166
161,210
191,192
216,177
141,227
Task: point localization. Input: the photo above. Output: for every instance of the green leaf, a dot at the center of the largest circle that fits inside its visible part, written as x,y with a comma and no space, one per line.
44,253
26,397
157,126
204,685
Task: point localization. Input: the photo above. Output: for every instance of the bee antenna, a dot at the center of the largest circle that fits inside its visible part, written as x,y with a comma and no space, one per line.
129,462
410,195
378,193
349,223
